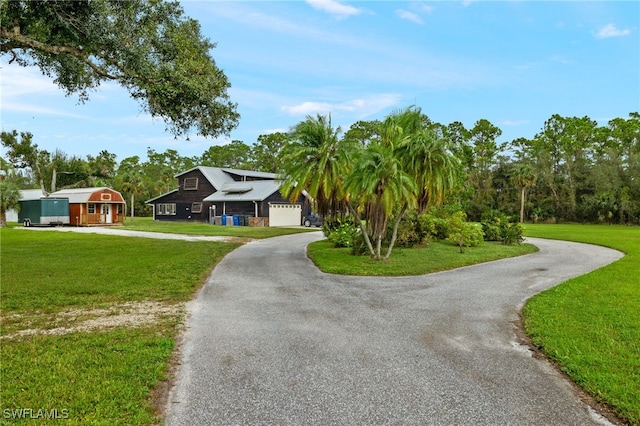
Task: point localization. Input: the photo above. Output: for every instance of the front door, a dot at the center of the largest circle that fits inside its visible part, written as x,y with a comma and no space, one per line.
106,213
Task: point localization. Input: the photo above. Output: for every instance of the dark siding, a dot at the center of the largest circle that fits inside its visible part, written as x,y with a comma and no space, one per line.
277,197
185,198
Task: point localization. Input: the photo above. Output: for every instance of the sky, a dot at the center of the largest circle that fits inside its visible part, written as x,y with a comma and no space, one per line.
514,63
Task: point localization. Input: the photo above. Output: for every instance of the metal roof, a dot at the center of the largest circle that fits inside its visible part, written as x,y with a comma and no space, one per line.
31,194
78,195
255,190
218,176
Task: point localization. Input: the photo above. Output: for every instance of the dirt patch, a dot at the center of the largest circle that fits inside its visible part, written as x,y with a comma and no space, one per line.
129,314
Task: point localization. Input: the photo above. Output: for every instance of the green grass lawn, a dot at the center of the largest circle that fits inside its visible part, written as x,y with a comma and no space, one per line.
438,256
103,375
50,280
590,325
199,228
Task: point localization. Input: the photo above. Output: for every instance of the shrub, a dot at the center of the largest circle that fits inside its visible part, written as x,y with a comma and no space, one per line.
342,234
498,227
413,231
463,233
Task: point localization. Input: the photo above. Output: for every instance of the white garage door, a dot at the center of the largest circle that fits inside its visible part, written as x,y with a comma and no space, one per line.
285,214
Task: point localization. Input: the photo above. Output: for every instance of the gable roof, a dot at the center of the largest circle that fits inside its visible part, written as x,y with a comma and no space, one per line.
219,176
255,190
79,195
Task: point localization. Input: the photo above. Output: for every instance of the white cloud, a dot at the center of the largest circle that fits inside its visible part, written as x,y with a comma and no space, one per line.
334,8
409,16
37,109
426,8
357,107
17,81
610,30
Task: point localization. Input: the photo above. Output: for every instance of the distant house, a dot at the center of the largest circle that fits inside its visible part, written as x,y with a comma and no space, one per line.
207,194
93,206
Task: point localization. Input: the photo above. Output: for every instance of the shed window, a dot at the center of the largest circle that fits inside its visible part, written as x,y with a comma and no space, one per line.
167,209
91,209
196,208
105,197
190,184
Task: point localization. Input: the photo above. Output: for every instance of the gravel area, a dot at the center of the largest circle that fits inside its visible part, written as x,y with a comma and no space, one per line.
271,340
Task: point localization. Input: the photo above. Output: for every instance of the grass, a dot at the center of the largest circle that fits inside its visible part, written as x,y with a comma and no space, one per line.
438,256
200,228
590,325
102,376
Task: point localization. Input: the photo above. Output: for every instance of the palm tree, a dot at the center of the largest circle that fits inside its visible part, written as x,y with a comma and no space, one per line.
380,189
130,179
316,162
429,160
523,176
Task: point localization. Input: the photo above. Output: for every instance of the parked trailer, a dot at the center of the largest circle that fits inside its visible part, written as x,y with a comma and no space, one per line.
45,211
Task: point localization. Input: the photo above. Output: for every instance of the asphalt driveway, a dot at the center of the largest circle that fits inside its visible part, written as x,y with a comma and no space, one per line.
273,341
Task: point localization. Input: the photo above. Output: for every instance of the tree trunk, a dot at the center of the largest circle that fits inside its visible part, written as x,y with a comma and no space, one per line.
365,235
394,235
132,199
522,195
54,177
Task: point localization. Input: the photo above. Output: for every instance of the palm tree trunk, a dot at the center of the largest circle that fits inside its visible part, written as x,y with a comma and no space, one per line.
365,235
522,195
132,199
394,236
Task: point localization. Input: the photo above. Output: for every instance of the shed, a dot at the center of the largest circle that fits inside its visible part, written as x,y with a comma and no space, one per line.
93,206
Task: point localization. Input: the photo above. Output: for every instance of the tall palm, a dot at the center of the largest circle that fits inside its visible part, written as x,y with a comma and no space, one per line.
380,188
523,176
130,180
316,161
430,161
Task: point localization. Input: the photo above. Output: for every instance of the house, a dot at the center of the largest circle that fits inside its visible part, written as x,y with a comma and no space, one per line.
207,194
93,206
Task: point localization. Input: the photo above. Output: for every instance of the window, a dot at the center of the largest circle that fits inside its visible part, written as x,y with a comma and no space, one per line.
120,208
91,209
105,197
196,208
166,209
190,184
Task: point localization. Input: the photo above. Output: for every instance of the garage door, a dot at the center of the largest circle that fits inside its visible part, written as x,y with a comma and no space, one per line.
285,214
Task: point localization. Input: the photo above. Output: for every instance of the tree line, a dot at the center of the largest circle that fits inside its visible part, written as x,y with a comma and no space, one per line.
572,170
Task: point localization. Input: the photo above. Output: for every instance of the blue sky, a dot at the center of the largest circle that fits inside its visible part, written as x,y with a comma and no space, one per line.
514,63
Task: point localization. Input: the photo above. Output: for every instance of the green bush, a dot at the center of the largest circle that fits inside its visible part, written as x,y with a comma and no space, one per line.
463,233
413,230
497,226
341,234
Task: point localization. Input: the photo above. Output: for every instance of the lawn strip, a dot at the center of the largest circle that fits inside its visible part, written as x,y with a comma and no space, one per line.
198,228
590,325
438,256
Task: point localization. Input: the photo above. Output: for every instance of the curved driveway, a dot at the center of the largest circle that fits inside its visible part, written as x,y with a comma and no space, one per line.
271,340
